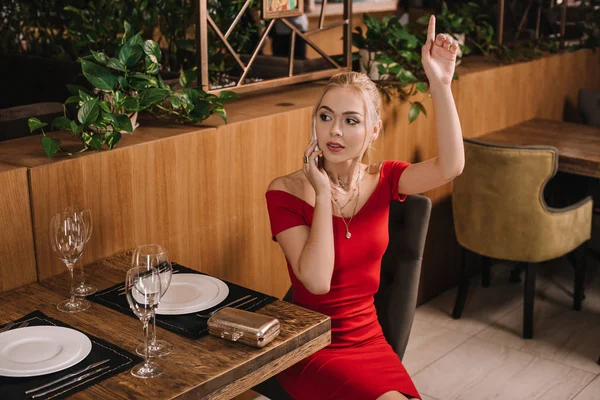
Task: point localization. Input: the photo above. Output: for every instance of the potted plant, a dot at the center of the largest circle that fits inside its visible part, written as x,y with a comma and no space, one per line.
390,55
122,86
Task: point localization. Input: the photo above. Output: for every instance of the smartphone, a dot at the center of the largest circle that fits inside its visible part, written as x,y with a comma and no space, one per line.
314,137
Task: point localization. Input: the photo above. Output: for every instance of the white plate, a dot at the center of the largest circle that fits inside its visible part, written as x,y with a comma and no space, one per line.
190,293
40,350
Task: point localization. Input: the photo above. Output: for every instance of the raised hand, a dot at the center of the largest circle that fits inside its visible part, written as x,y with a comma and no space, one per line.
438,56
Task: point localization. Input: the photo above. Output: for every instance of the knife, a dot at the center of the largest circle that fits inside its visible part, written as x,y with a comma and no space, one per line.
72,381
67,376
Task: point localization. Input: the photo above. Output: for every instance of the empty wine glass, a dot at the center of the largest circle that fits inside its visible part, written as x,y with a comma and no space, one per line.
67,237
154,256
142,288
85,216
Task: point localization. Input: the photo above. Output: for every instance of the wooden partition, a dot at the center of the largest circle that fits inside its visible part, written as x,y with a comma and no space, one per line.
17,254
200,190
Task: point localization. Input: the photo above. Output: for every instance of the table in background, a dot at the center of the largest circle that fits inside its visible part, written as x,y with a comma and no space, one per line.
578,145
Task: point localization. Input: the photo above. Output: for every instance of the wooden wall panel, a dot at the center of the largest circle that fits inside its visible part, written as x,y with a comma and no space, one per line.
17,254
200,190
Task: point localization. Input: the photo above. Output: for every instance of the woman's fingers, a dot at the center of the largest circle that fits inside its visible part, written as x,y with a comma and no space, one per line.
310,148
431,29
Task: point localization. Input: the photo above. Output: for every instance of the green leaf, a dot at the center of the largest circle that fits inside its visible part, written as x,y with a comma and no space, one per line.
192,94
151,96
75,89
50,145
118,98
85,97
127,27
122,123
98,76
116,64
187,77
104,106
61,124
72,100
123,82
100,57
220,111
135,39
413,113
152,50
112,139
421,107
88,113
142,81
94,140
151,67
130,55
35,124
75,128
201,111
421,87
131,104
226,96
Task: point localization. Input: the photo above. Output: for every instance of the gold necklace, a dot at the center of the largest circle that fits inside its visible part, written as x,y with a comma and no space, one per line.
347,224
349,200
344,185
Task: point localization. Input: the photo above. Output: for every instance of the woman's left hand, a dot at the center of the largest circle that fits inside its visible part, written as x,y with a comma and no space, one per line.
438,56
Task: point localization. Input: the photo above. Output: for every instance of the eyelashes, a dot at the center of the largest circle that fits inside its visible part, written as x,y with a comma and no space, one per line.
349,121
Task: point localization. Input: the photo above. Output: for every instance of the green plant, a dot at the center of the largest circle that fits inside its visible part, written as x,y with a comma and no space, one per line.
123,85
592,24
396,52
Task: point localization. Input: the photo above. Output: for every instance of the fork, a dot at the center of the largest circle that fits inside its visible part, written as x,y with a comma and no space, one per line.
210,314
11,325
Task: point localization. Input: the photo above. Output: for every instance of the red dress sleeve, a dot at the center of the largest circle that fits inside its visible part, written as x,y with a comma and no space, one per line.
285,211
390,173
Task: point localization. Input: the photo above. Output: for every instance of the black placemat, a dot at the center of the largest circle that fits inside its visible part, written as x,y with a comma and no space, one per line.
188,325
120,360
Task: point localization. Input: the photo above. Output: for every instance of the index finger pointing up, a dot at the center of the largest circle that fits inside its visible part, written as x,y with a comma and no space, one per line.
431,29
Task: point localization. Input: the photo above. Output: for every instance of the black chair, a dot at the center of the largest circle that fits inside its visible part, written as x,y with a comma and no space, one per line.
396,299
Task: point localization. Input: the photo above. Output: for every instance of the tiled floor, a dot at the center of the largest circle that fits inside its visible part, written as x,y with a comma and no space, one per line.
482,355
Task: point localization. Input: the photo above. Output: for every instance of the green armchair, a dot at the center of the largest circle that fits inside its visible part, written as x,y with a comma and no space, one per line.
500,213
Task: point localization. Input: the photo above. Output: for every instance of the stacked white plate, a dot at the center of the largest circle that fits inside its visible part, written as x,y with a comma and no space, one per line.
40,350
190,293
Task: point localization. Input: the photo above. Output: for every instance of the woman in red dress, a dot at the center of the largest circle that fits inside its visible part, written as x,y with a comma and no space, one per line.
331,220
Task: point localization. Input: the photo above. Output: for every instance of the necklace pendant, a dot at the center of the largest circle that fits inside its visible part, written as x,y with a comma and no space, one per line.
348,235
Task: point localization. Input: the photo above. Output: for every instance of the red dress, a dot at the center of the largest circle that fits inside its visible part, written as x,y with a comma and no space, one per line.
359,363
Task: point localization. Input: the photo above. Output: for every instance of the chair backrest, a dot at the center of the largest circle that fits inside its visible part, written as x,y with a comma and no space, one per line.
499,197
396,298
588,103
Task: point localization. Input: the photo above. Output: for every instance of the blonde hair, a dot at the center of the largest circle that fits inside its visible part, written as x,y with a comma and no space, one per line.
369,92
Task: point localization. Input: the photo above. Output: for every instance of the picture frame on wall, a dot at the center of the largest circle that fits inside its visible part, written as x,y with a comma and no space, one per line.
282,8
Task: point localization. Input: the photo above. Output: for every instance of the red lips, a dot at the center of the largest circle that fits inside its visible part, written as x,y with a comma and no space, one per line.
334,147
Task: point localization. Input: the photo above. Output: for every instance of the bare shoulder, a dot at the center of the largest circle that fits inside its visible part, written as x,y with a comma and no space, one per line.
293,183
374,169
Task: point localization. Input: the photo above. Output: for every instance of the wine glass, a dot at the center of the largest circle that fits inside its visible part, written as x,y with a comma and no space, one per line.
142,288
85,216
67,237
154,256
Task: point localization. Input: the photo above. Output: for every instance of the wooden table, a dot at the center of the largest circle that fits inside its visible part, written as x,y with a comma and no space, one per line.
578,145
206,368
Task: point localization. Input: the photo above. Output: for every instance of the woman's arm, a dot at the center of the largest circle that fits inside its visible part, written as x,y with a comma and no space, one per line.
438,61
310,250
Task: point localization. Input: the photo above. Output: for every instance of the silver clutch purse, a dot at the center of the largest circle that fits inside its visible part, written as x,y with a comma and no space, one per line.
243,326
